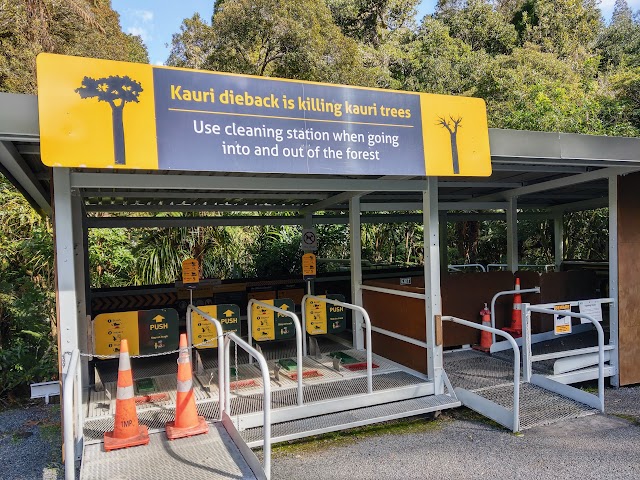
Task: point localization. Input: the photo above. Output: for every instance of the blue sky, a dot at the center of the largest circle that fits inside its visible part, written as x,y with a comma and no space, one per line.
156,20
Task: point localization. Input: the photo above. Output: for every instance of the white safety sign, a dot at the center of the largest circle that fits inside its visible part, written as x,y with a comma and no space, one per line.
309,241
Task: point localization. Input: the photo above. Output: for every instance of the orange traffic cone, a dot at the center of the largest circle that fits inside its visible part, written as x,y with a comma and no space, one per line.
516,314
126,431
485,337
187,422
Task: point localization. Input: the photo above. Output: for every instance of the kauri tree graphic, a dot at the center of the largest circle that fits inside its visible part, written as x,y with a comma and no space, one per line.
117,92
452,126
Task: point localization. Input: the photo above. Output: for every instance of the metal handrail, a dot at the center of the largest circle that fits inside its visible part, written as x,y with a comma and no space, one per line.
67,405
516,363
367,322
219,335
299,335
506,292
266,385
468,265
547,266
568,313
391,291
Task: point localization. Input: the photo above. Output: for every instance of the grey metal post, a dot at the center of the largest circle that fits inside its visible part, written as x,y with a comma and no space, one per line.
355,235
558,239
68,305
526,342
512,234
81,273
444,251
433,301
613,278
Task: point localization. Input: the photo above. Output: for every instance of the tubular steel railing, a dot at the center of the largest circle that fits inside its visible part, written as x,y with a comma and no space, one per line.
468,265
529,358
516,363
219,334
266,385
299,335
500,294
367,322
67,405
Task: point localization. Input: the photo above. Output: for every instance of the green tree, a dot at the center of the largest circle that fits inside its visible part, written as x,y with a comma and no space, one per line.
533,90
88,28
478,24
192,46
567,28
27,327
273,38
619,43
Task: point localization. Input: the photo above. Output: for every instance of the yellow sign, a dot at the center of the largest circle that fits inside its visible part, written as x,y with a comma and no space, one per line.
308,266
562,323
110,328
316,316
202,330
190,271
104,114
269,325
262,322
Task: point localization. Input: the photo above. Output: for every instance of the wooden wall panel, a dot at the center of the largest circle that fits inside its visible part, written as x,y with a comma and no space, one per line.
629,278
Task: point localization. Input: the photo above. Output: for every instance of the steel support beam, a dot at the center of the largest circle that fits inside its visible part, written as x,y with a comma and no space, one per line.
433,301
355,235
15,166
559,183
512,234
558,239
211,182
69,302
614,331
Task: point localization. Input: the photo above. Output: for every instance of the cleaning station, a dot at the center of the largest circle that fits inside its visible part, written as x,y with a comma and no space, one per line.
202,376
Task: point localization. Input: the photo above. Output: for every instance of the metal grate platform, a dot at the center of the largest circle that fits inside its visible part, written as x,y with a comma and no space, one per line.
213,455
538,406
156,418
349,419
492,378
270,351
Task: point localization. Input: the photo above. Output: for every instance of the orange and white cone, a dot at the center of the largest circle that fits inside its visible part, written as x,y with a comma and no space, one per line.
485,337
516,314
187,422
126,430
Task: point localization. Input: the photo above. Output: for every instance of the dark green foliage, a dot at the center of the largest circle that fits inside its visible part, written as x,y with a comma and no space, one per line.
27,342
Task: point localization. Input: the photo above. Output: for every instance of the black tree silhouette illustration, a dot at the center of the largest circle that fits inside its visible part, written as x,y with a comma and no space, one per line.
453,132
117,92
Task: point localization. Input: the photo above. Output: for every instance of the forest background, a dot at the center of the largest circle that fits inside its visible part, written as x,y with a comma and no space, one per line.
546,65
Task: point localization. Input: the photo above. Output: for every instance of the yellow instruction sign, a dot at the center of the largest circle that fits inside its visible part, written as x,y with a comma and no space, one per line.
308,266
110,328
562,323
269,325
202,330
316,316
190,271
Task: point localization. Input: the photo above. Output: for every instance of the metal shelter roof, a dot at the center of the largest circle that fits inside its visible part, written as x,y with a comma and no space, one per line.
555,171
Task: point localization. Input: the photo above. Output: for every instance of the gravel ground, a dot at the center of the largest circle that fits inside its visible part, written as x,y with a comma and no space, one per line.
30,443
459,445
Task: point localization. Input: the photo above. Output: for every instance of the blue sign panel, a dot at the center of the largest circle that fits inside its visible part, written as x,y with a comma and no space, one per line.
217,122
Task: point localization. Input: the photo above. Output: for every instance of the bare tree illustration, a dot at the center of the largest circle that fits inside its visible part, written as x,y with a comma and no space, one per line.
117,92
453,132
